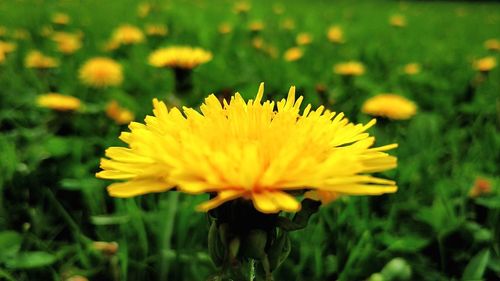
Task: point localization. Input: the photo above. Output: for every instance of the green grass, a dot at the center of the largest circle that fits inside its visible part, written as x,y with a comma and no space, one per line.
52,207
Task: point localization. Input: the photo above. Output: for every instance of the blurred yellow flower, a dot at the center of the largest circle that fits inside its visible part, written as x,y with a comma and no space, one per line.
481,186
119,114
390,106
21,34
179,57
351,68
2,56
7,47
485,64
293,54
303,38
256,26
288,24
335,34
158,30
111,46
58,102
46,30
127,35
241,7
143,9
492,44
67,43
61,18
258,42
101,72
225,28
397,21
248,150
412,68
35,59
278,9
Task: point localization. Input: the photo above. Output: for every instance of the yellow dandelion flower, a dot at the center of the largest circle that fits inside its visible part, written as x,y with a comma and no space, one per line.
225,28
21,34
46,31
7,47
36,59
179,57
58,102
481,187
335,34
119,114
256,26
351,68
241,7
303,38
293,54
260,151
158,30
67,43
258,43
397,21
412,68
278,9
127,35
111,46
485,64
143,9
492,44
61,18
101,72
390,106
288,24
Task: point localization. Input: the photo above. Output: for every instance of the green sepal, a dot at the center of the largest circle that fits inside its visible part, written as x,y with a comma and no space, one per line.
254,244
279,250
215,245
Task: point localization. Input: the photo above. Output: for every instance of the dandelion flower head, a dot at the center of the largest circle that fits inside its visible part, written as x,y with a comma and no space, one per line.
67,43
255,150
58,102
36,59
179,57
119,114
101,72
293,54
390,106
335,34
485,64
127,35
351,68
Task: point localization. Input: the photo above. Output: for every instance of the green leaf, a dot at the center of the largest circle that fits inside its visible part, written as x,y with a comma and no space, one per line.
10,243
28,260
57,146
488,202
476,267
407,244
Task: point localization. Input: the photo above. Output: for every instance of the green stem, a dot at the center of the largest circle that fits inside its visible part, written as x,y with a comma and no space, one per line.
167,233
252,270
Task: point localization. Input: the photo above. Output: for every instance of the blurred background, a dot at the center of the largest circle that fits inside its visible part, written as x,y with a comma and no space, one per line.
58,223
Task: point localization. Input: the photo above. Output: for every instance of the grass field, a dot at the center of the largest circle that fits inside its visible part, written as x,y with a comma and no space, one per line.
53,209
